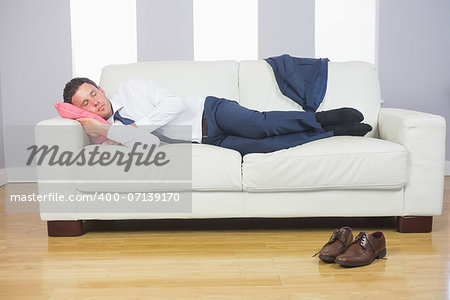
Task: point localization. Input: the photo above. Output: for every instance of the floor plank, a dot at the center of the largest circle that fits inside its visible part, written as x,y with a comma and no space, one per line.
216,259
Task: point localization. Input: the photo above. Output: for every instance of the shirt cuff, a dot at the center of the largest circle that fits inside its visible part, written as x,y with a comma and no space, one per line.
128,135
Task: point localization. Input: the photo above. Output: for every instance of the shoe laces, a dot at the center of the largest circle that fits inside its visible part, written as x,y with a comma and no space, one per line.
363,240
337,234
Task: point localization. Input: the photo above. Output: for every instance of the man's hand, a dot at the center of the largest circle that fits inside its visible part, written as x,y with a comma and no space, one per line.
111,142
94,127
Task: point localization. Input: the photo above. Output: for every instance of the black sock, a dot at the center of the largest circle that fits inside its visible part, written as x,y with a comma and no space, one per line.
354,129
339,116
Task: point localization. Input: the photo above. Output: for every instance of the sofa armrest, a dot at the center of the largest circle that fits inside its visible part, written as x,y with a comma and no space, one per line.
423,135
68,135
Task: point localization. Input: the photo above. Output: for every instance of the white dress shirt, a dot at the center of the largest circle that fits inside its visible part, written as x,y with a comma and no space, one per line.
154,108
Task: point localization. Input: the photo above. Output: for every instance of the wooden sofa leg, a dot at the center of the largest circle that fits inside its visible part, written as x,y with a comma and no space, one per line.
65,228
414,224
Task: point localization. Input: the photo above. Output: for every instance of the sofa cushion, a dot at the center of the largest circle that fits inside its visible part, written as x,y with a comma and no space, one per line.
352,84
342,162
184,78
216,169
192,167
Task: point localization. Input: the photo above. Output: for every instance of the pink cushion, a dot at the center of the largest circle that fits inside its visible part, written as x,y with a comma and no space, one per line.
70,111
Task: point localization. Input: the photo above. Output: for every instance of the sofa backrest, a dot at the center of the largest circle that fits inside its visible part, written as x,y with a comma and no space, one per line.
184,78
252,83
350,84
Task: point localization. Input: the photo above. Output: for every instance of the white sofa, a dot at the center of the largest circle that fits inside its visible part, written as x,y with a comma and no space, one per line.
396,170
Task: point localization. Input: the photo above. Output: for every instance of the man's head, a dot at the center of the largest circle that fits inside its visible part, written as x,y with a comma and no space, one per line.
85,94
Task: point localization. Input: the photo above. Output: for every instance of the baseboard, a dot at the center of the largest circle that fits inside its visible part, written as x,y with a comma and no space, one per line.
3,178
447,168
22,174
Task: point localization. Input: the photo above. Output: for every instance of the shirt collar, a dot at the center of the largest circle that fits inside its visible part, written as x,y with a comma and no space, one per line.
114,109
116,105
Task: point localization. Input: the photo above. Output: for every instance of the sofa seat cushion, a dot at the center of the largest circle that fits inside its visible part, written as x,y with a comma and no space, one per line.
192,167
216,169
341,162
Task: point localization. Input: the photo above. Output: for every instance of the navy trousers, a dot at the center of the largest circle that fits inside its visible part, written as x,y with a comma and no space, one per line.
249,131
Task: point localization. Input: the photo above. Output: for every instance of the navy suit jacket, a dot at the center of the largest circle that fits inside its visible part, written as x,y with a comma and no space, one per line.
304,80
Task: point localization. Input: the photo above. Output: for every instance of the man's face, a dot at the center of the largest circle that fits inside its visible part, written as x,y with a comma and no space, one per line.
92,99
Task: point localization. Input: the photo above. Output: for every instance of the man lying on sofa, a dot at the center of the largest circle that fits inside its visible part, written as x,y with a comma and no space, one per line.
214,121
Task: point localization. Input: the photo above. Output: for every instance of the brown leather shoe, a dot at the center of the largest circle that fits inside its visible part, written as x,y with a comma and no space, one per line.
338,243
364,250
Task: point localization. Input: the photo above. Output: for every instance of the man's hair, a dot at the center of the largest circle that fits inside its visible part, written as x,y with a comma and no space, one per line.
72,86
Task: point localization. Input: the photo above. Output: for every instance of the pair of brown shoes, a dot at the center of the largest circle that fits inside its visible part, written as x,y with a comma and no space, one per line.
342,250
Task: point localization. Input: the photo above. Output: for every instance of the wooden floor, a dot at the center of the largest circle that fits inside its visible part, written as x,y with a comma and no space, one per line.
219,259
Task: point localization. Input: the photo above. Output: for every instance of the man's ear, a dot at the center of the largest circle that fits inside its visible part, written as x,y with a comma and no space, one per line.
102,90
